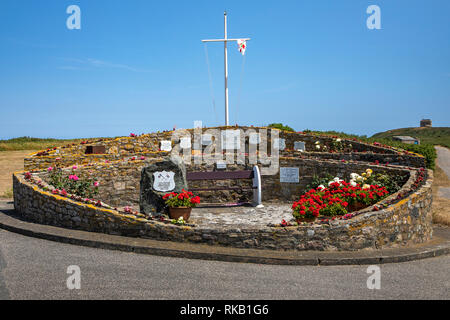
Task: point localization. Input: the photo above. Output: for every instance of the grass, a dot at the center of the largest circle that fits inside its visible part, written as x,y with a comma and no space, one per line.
28,143
434,136
8,194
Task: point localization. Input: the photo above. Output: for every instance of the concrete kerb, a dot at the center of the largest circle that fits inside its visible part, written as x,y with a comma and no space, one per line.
440,245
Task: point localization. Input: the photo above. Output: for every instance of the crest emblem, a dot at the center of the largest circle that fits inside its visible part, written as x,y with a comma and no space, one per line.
163,181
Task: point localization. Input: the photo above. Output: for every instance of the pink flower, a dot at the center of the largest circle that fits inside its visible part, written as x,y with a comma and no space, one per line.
73,177
74,167
96,184
142,158
49,169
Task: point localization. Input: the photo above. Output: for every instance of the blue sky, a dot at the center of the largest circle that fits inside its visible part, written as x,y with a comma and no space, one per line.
139,66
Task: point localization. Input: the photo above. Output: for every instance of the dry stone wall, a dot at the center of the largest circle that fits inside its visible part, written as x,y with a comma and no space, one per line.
404,222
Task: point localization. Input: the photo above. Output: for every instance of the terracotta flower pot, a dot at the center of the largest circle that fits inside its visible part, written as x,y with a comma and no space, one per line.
303,219
176,212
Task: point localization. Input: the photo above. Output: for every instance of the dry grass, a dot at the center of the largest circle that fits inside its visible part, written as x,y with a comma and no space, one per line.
441,206
10,161
28,143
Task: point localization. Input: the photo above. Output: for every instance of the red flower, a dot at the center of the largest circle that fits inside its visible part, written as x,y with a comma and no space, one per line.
195,200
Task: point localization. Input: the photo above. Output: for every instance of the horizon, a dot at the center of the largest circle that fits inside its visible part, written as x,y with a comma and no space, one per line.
140,66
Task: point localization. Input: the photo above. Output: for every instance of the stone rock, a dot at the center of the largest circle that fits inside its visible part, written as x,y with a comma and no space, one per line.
170,176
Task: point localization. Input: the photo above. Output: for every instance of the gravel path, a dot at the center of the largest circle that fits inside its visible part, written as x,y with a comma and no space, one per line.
238,217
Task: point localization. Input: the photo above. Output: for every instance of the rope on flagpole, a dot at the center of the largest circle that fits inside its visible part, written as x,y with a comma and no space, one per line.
240,89
211,83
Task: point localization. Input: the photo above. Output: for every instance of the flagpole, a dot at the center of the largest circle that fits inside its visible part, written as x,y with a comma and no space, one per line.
226,68
225,40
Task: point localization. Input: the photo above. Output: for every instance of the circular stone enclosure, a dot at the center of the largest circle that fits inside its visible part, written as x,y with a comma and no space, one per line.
405,217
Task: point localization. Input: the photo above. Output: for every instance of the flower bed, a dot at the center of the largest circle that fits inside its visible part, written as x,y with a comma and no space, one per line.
338,199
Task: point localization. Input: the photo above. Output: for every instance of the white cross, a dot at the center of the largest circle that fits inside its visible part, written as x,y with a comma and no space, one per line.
225,40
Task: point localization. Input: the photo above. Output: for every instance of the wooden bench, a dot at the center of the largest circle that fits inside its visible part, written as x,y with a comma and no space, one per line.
230,175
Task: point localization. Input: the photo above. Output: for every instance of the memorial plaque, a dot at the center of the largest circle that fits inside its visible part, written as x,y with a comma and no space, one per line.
206,139
185,142
231,139
221,165
299,146
163,181
197,146
289,175
279,143
156,180
166,145
254,138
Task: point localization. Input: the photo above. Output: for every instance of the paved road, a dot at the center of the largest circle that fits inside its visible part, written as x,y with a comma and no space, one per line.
443,161
31,268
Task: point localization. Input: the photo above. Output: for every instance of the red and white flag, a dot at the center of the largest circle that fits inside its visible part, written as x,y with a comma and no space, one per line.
242,44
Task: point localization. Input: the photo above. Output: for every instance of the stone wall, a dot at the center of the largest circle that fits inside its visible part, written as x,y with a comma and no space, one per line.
120,180
403,222
148,145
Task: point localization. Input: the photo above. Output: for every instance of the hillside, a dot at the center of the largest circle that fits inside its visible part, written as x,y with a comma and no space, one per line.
435,136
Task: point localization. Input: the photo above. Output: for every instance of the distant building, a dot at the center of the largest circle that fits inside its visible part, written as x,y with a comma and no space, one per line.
425,123
406,139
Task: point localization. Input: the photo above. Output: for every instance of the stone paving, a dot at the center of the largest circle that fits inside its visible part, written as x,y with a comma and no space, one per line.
241,216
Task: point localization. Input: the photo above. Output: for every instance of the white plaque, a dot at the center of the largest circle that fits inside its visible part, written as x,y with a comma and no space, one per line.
254,138
299,146
166,145
206,139
163,181
289,175
221,165
231,139
185,142
279,143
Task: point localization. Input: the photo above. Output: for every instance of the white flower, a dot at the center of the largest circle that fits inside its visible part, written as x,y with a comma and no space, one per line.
317,142
353,175
336,179
366,186
338,140
318,147
353,183
321,187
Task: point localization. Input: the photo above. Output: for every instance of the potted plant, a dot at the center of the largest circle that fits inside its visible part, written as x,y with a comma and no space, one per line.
181,204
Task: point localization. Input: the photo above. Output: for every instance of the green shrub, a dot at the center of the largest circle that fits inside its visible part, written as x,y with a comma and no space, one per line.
281,127
72,184
319,180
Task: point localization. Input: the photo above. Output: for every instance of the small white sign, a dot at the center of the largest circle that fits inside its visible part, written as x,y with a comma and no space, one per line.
221,165
279,143
289,175
206,139
231,139
299,146
254,138
163,181
166,145
185,142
